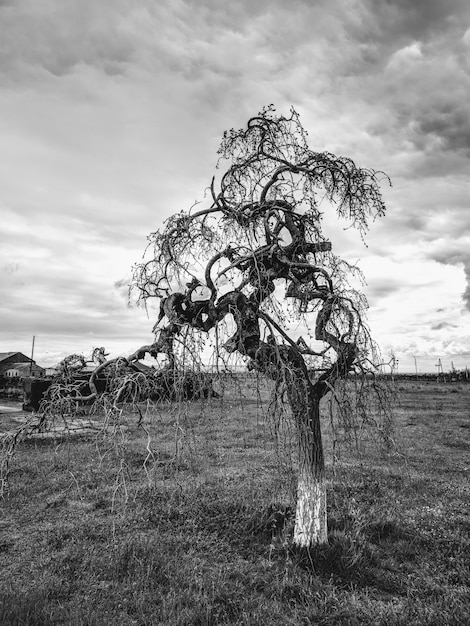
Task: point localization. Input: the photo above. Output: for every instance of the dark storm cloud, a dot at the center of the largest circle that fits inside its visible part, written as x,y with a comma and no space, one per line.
70,35
443,326
421,78
399,21
378,289
448,123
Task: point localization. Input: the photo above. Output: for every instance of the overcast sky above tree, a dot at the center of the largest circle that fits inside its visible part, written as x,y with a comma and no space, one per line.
111,115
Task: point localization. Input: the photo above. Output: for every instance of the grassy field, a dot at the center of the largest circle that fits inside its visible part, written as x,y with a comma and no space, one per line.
187,519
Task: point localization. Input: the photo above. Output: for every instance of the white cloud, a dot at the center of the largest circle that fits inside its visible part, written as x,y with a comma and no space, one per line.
466,37
405,57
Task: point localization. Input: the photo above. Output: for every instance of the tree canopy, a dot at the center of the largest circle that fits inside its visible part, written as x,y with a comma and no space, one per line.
257,253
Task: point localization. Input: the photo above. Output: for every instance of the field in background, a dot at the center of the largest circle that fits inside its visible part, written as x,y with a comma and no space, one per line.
187,519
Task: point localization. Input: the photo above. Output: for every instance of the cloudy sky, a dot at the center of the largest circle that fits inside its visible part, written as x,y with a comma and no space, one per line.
111,115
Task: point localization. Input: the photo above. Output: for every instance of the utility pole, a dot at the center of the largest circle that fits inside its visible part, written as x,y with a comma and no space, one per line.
32,354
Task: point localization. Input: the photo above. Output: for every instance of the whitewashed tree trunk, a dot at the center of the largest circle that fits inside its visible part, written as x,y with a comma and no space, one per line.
310,516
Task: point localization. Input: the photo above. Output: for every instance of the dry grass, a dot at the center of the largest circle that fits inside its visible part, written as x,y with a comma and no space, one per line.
188,521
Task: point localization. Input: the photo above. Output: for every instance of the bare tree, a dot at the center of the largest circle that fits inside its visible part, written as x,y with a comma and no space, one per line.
255,258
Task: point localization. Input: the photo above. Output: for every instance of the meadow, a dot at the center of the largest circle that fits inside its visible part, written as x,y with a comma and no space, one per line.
186,518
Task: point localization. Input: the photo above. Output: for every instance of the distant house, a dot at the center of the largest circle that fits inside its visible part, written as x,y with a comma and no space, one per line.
18,365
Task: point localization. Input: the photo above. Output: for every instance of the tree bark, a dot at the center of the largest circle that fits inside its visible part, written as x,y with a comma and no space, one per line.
311,515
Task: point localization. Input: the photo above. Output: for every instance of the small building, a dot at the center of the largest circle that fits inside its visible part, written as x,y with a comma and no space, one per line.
16,365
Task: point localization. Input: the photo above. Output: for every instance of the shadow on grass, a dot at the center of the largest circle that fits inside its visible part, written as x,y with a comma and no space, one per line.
28,609
364,548
361,558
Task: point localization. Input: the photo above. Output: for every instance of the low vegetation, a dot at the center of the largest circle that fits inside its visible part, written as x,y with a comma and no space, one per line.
184,515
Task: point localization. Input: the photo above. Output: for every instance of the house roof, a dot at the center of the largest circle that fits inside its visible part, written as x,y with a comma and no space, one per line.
24,367
16,359
7,355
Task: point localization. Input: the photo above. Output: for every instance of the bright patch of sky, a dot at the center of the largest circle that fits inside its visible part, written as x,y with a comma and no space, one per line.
110,119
